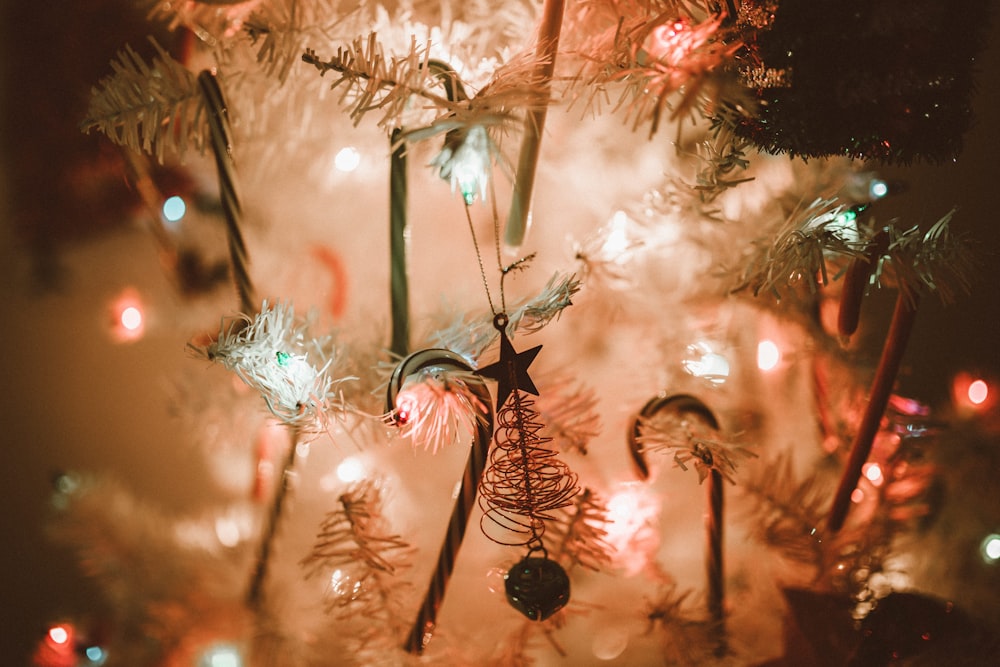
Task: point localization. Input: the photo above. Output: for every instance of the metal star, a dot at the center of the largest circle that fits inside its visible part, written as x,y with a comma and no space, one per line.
511,371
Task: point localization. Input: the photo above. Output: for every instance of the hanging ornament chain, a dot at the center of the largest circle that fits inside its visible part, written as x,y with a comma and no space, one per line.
525,481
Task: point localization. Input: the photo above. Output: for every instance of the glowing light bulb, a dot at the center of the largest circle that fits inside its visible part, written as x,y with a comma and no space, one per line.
95,654
857,495
131,318
127,321
59,634
174,209
878,188
221,655
347,159
617,242
406,407
990,549
873,473
768,355
351,469
978,392
708,364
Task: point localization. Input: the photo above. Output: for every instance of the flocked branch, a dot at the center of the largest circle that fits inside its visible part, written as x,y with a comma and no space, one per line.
156,108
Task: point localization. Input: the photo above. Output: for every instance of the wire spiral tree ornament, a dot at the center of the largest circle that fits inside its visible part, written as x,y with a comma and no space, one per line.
523,485
525,481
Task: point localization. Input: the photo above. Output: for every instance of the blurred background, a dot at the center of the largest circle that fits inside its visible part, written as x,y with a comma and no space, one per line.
77,398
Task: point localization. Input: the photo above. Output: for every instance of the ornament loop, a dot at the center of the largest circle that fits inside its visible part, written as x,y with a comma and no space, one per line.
500,321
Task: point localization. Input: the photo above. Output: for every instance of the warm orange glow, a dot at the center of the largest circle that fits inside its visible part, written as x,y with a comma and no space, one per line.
128,320
857,495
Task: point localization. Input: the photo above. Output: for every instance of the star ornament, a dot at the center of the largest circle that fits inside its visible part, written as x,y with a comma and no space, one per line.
511,370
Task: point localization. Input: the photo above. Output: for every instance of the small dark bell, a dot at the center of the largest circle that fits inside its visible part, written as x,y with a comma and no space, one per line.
537,587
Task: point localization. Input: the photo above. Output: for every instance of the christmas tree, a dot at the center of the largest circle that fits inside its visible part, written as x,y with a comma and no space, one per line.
505,333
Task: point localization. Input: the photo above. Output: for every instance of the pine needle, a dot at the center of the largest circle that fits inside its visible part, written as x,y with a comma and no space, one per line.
353,548
155,108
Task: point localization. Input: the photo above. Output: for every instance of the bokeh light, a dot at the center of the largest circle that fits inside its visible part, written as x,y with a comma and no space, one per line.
768,355
59,634
127,317
873,473
174,209
990,548
347,159
978,392
351,469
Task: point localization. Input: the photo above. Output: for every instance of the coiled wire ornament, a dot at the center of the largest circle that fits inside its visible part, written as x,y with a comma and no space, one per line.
525,481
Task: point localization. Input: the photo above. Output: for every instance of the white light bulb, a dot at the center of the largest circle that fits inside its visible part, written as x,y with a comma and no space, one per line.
347,159
990,549
768,355
350,470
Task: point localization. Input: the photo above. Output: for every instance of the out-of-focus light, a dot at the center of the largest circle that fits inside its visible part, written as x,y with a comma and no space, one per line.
128,321
174,209
59,634
878,188
990,548
873,473
971,394
95,654
617,243
707,364
221,655
978,392
351,469
347,159
768,355
857,495
227,531
609,642
131,318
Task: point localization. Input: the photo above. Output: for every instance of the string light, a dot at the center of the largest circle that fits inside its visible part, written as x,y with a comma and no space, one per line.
706,363
768,355
174,209
96,655
972,394
617,243
878,188
347,159
990,549
59,634
873,473
227,531
221,655
978,392
351,469
128,321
